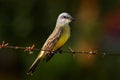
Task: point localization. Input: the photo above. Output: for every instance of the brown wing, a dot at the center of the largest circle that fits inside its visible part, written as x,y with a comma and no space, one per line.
48,47
52,40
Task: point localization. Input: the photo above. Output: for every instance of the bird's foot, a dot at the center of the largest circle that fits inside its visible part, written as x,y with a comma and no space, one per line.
60,51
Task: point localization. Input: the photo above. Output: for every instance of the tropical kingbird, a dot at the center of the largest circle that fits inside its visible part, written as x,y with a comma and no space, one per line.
55,41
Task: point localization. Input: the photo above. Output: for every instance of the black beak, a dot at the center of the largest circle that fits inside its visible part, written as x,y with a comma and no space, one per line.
72,19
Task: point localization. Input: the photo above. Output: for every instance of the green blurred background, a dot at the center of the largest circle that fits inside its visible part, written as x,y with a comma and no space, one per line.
27,22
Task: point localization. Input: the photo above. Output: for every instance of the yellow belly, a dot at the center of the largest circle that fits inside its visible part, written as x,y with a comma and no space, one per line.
63,39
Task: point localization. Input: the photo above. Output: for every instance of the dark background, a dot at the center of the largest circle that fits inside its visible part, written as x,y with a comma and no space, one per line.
27,22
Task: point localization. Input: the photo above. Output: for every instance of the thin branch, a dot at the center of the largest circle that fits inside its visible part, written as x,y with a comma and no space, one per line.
32,48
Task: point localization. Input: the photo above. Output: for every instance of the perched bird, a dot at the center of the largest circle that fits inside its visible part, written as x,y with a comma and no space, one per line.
55,41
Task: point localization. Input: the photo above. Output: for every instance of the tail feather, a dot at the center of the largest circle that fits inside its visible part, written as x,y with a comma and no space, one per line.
33,67
35,63
49,56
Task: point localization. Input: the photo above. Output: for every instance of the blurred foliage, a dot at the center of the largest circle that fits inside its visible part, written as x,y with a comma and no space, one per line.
27,22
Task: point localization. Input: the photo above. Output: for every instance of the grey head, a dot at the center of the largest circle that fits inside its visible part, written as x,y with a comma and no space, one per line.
64,19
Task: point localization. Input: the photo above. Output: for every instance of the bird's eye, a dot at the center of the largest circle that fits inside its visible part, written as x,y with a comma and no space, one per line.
65,17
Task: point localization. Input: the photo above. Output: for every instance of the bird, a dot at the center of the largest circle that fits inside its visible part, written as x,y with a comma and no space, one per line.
55,41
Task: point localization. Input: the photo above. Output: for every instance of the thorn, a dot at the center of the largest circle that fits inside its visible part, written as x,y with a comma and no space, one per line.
93,52
71,50
3,45
29,48
32,47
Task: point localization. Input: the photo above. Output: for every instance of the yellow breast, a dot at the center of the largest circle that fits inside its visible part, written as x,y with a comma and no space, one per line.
64,37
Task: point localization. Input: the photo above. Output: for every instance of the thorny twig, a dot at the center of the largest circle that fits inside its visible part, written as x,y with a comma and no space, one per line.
31,48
